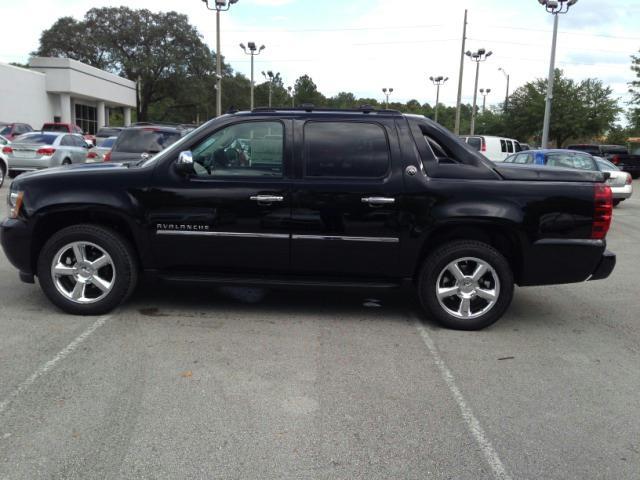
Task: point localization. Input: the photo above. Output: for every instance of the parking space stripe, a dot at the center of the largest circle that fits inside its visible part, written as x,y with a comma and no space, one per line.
64,353
467,414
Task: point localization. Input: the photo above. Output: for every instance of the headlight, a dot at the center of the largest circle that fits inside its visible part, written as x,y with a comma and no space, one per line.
15,203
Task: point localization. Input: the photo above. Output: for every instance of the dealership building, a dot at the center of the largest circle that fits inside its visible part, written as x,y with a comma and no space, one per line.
63,90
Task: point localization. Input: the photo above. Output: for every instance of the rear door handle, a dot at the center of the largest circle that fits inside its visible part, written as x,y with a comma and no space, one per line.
266,198
378,200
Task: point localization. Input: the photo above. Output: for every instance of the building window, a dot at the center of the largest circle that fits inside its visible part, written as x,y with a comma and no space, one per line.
86,118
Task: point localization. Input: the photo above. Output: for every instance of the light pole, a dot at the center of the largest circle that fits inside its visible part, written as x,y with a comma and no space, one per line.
555,7
290,89
219,6
484,94
437,81
253,51
269,76
479,56
506,97
387,92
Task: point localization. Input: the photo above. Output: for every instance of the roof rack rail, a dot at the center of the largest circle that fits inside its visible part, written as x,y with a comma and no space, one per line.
308,107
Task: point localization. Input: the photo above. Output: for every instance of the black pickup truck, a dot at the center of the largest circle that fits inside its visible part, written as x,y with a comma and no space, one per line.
312,198
619,155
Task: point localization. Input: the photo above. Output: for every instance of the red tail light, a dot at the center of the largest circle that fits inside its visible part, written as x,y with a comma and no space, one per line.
615,159
46,151
92,155
483,145
107,157
629,179
602,212
7,149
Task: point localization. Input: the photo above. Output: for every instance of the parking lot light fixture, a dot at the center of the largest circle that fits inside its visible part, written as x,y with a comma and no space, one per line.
484,93
478,56
554,7
252,50
438,81
290,89
387,92
219,6
269,77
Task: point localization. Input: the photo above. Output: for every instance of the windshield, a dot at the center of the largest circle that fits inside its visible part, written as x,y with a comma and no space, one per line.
606,165
5,129
141,140
107,142
51,127
36,138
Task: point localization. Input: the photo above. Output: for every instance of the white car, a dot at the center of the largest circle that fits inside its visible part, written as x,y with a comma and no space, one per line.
4,163
494,148
620,182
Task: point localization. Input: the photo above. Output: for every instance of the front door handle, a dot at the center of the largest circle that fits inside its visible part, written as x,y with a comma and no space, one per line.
266,198
378,200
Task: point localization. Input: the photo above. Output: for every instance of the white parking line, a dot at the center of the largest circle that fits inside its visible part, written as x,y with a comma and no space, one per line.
472,422
52,363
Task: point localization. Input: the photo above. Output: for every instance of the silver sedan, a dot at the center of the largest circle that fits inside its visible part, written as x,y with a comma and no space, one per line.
38,150
620,182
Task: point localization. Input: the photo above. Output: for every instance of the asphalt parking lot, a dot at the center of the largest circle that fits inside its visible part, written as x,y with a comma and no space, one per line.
237,384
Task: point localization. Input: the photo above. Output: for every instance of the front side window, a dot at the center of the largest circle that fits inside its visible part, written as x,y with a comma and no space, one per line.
345,149
503,146
251,149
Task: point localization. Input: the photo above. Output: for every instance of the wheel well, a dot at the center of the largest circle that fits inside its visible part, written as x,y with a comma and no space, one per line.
55,222
502,239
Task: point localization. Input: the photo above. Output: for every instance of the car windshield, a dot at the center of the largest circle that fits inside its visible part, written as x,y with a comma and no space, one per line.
107,142
141,140
54,128
475,142
571,160
36,138
606,165
5,129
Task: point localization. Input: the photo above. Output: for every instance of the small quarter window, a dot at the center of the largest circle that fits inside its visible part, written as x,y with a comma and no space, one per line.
503,146
345,149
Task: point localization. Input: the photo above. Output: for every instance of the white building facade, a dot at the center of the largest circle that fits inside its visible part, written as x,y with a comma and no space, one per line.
63,90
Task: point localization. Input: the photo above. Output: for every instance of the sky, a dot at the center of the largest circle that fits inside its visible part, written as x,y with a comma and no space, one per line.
361,46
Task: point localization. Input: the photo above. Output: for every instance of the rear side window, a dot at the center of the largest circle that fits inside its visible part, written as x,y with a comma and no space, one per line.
509,146
36,138
475,142
67,141
503,146
345,149
144,140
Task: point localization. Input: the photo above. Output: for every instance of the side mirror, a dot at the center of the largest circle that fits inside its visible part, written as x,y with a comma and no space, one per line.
184,165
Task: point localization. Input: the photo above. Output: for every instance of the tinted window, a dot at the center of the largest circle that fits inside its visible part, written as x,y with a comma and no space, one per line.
522,158
67,141
345,149
141,140
606,165
518,146
37,138
50,127
571,160
244,149
611,149
509,146
503,146
475,142
5,129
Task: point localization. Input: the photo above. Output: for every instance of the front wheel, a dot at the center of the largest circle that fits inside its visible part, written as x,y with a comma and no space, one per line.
87,269
466,285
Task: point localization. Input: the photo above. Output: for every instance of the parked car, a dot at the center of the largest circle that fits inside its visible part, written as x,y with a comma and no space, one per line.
616,154
68,128
140,143
97,154
619,181
4,163
525,146
12,130
106,132
39,150
365,198
494,148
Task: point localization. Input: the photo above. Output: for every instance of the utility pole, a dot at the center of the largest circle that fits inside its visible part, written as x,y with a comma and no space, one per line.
479,56
438,81
459,99
506,97
555,7
253,51
219,6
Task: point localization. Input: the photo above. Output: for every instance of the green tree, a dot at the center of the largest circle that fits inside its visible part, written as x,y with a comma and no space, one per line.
161,50
306,91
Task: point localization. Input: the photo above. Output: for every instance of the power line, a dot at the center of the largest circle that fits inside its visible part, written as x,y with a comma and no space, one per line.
346,29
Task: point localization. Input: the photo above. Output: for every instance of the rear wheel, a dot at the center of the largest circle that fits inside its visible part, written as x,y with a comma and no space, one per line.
3,172
66,161
616,202
466,285
87,269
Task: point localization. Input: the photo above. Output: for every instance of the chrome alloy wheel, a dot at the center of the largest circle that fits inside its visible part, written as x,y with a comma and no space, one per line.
467,288
83,272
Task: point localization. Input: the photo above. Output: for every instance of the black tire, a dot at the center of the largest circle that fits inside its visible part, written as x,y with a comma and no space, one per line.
617,202
124,264
12,174
3,174
443,256
66,161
